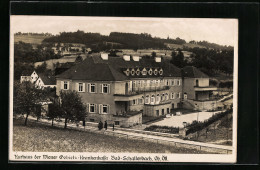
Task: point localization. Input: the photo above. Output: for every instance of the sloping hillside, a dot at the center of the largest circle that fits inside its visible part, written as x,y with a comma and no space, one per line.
32,39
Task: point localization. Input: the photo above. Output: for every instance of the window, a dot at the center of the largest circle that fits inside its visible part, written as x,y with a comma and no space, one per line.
92,88
105,88
134,102
152,99
147,99
140,101
166,96
167,83
133,72
105,108
172,95
116,122
155,72
172,82
138,72
150,72
80,87
65,87
162,111
162,97
158,98
144,72
178,83
92,108
127,72
157,112
161,72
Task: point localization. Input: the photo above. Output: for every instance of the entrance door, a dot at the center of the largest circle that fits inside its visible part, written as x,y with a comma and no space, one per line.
162,111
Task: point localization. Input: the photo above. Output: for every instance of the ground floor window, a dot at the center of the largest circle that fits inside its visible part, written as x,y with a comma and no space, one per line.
116,122
91,120
157,112
105,108
92,108
162,111
168,110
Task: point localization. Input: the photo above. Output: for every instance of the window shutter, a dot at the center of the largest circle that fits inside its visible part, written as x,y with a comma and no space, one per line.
88,88
180,81
96,87
88,108
77,87
101,88
108,88
68,85
62,85
100,108
108,108
83,87
95,108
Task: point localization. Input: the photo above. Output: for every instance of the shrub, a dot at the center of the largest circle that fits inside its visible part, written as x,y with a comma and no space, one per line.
197,126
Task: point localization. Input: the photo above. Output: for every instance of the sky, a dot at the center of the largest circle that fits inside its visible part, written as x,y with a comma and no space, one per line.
220,31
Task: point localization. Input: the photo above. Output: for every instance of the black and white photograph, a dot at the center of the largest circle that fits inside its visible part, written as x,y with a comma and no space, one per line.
123,89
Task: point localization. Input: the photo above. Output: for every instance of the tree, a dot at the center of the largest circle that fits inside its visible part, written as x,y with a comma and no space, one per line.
27,98
54,111
153,54
178,59
72,106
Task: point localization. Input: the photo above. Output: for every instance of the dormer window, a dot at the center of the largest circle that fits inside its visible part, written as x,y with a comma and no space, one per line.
155,71
127,72
161,72
144,72
138,72
150,72
133,72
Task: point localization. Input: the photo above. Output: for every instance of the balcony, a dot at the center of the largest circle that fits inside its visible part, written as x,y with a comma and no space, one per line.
207,88
150,89
158,104
127,97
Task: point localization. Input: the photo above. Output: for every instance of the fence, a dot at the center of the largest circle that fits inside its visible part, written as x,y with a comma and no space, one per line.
138,136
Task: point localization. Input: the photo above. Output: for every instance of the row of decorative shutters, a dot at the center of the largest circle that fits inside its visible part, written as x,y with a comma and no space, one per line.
98,108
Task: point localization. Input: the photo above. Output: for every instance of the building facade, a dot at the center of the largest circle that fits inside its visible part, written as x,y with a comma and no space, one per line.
122,90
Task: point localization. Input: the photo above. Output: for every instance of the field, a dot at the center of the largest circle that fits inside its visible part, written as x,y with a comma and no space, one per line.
29,39
43,138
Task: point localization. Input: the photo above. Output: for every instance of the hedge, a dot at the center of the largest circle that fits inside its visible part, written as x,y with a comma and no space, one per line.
163,129
197,126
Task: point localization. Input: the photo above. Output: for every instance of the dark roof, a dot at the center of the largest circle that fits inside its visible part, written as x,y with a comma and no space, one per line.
95,68
27,73
193,72
48,80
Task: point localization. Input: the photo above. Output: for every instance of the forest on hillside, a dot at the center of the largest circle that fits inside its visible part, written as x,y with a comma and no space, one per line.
120,40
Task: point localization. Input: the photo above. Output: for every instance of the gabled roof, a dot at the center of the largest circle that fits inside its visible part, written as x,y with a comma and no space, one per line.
26,73
193,72
88,70
97,69
47,80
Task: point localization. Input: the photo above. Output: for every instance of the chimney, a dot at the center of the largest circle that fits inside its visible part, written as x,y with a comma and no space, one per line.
104,56
126,57
136,58
158,59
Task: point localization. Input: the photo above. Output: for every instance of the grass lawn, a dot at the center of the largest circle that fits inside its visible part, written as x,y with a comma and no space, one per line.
43,138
